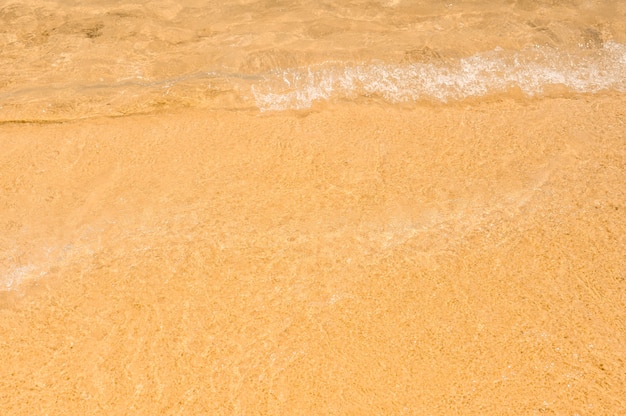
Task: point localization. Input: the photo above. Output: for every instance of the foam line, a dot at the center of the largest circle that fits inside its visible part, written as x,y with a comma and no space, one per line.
531,70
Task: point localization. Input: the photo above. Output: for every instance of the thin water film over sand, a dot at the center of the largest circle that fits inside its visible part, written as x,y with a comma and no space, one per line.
66,60
278,208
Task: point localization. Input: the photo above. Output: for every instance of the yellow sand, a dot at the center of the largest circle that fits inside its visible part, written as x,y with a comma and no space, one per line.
356,260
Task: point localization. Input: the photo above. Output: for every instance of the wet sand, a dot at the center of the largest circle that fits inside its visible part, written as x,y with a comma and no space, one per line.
356,259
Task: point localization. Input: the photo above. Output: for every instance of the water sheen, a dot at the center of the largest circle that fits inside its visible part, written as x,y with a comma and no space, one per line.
67,59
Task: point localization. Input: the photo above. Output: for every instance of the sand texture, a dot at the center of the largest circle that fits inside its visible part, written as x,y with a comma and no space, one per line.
360,259
337,207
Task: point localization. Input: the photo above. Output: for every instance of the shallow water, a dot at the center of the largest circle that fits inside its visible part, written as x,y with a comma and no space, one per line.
438,229
65,60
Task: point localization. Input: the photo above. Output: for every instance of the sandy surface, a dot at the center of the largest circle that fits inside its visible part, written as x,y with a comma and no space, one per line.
358,259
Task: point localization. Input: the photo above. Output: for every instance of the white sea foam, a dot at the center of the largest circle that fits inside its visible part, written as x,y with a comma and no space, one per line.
532,71
15,276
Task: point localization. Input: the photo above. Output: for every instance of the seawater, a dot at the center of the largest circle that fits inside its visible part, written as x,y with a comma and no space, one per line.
532,71
64,59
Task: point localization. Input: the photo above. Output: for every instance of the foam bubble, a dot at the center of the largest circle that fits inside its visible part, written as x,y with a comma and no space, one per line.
531,70
15,276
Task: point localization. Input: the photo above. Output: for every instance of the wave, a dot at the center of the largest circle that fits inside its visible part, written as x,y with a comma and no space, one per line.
533,71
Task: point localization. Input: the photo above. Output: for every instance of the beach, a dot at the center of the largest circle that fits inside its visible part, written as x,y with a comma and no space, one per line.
361,260
327,239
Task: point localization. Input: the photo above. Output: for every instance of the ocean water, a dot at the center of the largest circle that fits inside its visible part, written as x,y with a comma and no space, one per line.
395,207
65,59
